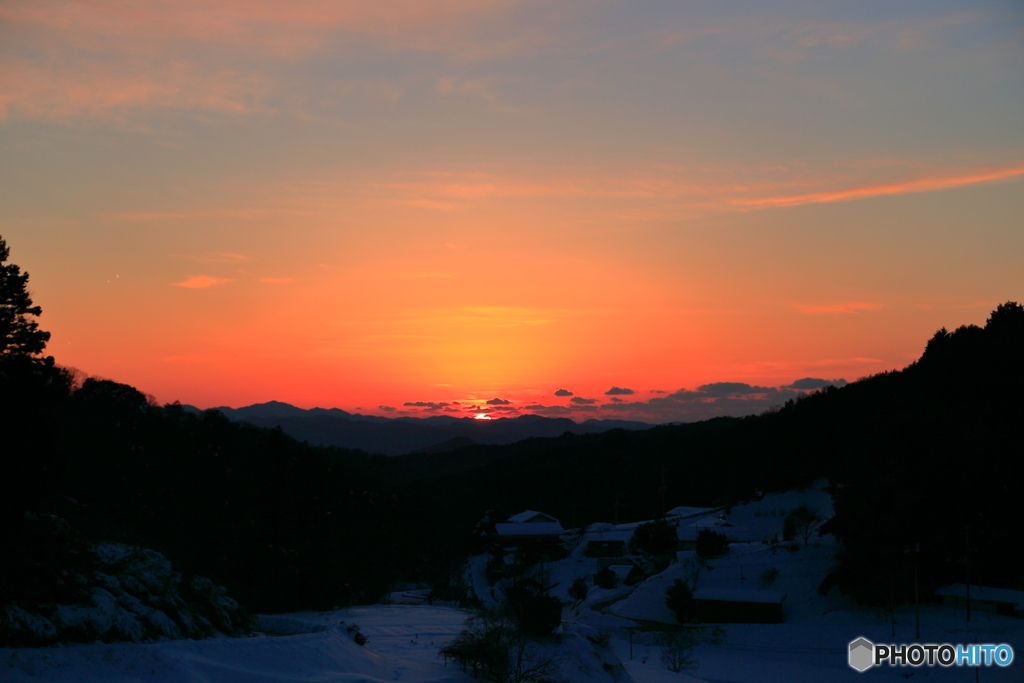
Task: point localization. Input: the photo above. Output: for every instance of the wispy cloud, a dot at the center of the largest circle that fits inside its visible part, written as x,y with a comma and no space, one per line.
917,185
276,280
844,307
103,59
634,193
202,282
224,257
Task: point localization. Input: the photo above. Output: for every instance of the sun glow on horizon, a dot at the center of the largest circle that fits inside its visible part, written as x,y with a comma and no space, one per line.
454,208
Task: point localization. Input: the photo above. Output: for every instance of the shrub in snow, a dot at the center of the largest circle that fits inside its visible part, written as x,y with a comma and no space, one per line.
802,521
535,613
692,568
677,650
655,538
353,631
493,648
578,589
679,599
711,543
768,576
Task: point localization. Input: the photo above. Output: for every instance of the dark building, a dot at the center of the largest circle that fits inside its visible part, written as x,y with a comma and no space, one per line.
738,606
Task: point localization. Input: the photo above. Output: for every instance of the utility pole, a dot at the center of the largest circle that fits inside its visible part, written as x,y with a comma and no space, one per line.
663,488
917,606
892,606
968,573
916,552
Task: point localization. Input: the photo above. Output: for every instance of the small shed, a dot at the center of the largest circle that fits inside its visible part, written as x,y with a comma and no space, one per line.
530,525
532,517
1002,601
738,606
532,536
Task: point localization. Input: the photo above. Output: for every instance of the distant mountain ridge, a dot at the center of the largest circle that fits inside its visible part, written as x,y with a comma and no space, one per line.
400,435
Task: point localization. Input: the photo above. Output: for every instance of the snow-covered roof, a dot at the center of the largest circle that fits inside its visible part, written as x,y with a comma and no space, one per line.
532,517
986,593
530,529
706,521
738,595
687,511
734,533
611,534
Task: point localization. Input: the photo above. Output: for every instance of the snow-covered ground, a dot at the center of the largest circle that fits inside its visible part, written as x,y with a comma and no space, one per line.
810,646
402,647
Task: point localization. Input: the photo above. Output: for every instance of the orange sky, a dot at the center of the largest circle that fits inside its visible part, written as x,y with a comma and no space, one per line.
363,206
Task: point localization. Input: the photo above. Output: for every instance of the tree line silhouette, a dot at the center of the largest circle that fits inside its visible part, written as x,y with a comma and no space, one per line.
923,462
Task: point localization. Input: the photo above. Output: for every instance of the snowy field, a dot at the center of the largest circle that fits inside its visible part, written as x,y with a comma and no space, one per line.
403,644
809,647
402,647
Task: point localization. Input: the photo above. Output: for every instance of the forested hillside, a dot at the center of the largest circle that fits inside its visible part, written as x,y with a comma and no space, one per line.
925,463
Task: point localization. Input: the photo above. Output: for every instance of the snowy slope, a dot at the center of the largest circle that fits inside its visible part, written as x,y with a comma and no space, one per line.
604,639
393,654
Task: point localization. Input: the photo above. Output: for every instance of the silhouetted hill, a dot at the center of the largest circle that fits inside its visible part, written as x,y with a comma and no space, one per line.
925,464
449,446
926,457
393,436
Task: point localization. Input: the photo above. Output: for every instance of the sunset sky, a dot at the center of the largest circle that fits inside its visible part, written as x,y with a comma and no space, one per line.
366,205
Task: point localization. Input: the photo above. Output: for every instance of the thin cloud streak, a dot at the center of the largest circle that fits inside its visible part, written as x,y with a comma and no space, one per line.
846,307
919,185
202,282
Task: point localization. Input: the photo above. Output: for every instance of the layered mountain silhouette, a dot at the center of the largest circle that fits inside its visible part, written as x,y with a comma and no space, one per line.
396,436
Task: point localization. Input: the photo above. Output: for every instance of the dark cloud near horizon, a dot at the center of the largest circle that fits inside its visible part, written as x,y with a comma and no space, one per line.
732,389
552,411
812,383
425,404
717,399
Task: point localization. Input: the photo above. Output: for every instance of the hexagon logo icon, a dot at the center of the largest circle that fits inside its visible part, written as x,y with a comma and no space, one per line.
862,654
